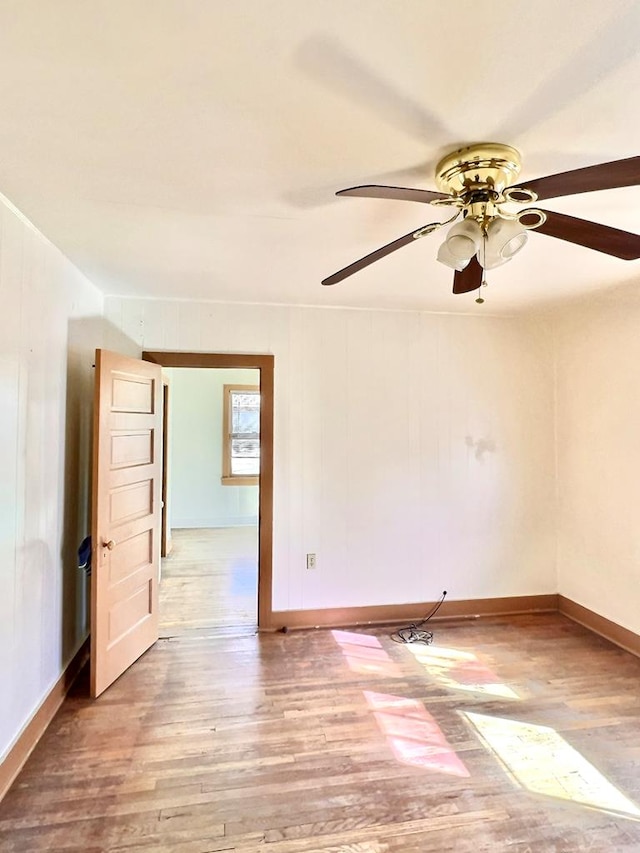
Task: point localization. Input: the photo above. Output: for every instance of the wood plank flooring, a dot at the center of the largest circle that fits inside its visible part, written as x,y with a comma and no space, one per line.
511,734
210,582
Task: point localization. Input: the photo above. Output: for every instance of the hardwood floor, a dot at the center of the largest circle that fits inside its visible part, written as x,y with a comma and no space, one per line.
210,582
513,734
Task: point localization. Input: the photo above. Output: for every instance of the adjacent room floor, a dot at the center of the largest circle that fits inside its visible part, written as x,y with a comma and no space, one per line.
513,734
210,582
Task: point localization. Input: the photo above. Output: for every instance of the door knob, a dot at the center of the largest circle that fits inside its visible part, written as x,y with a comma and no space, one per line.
110,544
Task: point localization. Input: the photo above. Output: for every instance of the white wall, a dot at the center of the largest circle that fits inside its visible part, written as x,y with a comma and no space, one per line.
598,439
49,326
197,496
413,452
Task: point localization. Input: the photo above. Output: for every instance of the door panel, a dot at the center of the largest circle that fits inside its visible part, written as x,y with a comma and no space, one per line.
131,448
127,468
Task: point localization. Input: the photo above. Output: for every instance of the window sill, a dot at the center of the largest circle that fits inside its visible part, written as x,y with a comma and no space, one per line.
240,481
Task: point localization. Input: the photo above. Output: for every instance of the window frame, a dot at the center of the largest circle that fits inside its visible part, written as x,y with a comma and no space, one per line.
229,479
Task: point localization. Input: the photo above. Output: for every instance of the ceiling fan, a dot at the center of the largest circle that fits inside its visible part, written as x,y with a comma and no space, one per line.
479,182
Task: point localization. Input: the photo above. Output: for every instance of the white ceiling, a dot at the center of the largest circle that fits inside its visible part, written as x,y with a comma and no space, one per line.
191,148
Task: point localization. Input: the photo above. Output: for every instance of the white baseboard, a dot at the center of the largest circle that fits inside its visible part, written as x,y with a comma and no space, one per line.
229,521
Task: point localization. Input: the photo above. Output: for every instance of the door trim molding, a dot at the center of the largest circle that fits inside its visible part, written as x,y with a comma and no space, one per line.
265,364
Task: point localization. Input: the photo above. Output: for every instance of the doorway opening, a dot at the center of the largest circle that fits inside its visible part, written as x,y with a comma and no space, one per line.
217,576
210,573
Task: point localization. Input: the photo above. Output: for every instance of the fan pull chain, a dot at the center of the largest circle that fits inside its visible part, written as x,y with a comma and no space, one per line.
483,283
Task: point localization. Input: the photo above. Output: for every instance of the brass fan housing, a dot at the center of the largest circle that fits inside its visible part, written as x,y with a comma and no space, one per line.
488,166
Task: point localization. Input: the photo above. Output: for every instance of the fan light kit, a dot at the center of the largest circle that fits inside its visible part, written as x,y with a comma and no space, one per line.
479,181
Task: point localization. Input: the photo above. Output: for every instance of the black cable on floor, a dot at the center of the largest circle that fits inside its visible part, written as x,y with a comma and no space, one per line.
414,633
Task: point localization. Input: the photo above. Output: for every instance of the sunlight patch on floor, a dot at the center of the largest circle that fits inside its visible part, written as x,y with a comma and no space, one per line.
460,671
541,760
413,735
364,654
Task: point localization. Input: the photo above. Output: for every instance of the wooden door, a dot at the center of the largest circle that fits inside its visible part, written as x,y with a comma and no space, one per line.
127,474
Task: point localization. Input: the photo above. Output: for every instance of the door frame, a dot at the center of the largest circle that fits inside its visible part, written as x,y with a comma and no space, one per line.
165,534
265,364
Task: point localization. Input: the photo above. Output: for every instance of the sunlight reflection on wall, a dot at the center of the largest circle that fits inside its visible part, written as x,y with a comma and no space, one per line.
364,654
413,734
542,761
460,670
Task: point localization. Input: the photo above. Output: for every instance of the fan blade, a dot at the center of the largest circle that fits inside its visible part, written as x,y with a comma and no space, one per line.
602,238
470,278
605,176
369,259
398,193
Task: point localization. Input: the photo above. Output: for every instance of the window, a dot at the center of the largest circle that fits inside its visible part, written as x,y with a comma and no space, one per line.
241,435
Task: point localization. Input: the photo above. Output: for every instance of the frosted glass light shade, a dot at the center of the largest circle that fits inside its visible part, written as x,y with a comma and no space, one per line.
490,260
505,238
464,239
445,257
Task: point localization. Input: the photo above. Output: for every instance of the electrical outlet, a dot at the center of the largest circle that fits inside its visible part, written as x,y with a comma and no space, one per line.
311,561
